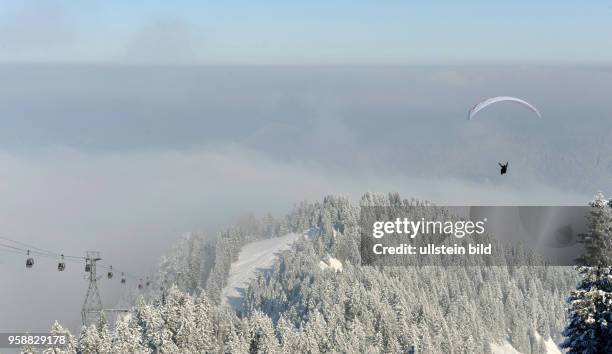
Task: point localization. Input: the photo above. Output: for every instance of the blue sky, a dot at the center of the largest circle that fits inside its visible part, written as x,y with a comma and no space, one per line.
313,32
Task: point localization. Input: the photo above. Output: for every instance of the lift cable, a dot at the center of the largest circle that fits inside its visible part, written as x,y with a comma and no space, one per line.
37,251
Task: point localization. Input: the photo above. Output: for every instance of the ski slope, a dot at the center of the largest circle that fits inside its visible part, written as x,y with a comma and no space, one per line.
254,257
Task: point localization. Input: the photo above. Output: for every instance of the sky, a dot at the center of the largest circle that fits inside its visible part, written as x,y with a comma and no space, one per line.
309,32
125,125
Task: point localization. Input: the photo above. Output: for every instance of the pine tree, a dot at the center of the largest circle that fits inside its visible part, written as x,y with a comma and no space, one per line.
288,336
262,335
598,240
89,340
105,344
148,319
589,327
127,337
177,316
203,335
27,349
70,346
238,341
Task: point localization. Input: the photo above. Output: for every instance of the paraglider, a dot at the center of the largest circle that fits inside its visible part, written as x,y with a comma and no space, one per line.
489,101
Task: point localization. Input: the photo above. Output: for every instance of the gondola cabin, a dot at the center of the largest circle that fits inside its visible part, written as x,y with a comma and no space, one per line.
61,265
29,260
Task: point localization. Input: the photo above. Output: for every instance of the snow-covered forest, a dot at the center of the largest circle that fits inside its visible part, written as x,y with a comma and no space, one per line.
317,297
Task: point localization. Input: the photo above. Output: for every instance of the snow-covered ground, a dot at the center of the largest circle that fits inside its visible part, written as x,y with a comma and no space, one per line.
253,258
507,348
551,347
331,263
503,348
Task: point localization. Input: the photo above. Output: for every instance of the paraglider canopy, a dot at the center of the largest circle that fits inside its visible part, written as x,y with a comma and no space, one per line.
489,101
493,100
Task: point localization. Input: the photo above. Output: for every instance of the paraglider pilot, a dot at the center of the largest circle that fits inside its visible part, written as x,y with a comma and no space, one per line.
504,168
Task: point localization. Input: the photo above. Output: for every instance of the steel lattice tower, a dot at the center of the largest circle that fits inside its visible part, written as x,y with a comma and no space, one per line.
92,312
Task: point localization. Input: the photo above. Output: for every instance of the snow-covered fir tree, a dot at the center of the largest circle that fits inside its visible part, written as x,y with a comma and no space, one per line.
89,340
71,344
589,326
127,336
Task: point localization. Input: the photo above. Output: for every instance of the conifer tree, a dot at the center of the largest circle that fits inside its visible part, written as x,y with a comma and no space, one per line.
127,337
70,346
89,340
589,327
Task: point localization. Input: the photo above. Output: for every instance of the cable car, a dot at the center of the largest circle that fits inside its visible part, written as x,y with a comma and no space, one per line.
61,265
140,285
87,266
29,261
148,282
122,278
109,275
